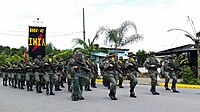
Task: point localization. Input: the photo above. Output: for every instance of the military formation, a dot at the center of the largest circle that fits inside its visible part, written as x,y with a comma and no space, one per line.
81,73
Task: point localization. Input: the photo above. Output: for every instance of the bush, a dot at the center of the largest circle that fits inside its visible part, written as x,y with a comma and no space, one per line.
188,76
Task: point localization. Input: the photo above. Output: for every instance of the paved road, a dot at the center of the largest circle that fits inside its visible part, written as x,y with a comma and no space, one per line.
15,100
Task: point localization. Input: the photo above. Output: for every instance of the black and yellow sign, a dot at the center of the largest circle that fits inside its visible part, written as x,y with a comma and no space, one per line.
37,41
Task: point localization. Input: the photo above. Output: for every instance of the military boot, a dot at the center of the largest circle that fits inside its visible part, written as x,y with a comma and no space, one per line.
74,98
39,89
112,95
153,90
174,89
132,93
51,91
120,84
166,87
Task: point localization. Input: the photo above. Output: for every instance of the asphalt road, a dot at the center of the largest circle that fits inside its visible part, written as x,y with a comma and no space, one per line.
15,100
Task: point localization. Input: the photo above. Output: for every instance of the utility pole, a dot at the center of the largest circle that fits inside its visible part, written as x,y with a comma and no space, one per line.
83,26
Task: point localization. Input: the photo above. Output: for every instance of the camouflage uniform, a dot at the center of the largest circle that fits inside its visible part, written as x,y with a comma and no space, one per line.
132,69
4,69
122,67
29,75
111,70
37,70
88,75
152,64
94,72
172,66
77,76
21,74
49,76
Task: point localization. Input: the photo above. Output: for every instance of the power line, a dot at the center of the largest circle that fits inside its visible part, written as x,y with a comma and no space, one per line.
48,36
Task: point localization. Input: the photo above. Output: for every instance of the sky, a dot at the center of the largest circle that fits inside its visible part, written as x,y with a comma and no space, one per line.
63,19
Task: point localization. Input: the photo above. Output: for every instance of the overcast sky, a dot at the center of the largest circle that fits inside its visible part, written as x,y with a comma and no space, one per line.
64,17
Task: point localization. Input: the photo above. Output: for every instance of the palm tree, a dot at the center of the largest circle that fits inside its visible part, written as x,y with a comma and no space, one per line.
118,37
88,47
196,39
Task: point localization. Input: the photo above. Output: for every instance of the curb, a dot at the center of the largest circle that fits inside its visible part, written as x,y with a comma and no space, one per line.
182,85
162,84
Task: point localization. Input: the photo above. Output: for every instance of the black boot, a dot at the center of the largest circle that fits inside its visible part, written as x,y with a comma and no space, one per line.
112,96
120,84
153,90
132,93
51,91
87,88
39,89
74,98
166,87
174,90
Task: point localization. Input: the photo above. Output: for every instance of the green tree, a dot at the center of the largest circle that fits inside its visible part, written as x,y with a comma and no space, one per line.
196,39
119,37
141,55
89,46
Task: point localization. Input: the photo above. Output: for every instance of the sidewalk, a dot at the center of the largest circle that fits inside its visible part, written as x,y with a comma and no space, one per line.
161,82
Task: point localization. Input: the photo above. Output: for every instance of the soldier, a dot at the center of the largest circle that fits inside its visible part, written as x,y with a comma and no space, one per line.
37,70
68,72
132,69
152,64
88,75
165,72
14,74
4,69
121,65
29,75
49,75
94,72
9,71
58,67
110,68
77,67
104,73
21,74
172,67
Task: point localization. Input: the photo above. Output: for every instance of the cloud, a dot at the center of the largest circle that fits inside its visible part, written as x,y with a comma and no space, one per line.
153,19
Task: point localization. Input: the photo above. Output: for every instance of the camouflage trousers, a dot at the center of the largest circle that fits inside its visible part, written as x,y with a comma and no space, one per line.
113,80
133,79
169,75
77,87
153,76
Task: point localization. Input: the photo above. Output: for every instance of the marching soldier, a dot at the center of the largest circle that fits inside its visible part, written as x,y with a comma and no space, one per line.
21,74
172,67
49,75
110,68
88,75
4,69
68,72
94,72
104,73
29,75
37,70
152,64
132,69
77,67
58,67
121,65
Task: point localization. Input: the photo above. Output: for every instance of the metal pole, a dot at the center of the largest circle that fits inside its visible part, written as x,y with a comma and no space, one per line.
83,25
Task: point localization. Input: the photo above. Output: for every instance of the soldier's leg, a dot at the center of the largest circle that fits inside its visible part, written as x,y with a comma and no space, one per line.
69,82
113,88
47,81
174,81
31,82
3,76
63,80
12,79
38,84
75,88
9,78
19,80
87,84
93,81
167,78
133,83
15,80
28,81
153,83
120,81
81,84
22,81
52,82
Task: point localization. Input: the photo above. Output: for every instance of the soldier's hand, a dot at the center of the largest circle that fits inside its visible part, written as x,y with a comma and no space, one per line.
111,65
153,65
75,67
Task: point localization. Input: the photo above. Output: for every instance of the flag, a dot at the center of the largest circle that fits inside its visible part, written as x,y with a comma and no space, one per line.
24,53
